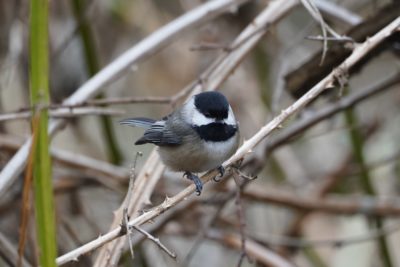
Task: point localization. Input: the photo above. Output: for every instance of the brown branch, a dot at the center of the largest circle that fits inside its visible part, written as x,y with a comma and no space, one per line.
88,165
293,242
256,251
27,191
310,73
241,218
335,205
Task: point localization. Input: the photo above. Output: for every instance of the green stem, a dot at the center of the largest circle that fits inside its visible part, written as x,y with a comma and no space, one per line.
39,94
93,67
366,181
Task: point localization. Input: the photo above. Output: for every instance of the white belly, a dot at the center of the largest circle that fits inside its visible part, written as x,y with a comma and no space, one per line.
198,156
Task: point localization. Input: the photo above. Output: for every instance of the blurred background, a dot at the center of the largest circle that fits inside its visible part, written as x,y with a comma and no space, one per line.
327,195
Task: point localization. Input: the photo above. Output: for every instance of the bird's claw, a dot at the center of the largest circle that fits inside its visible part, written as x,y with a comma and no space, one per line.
196,180
221,170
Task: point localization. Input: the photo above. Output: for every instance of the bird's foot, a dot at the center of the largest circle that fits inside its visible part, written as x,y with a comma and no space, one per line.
221,170
196,180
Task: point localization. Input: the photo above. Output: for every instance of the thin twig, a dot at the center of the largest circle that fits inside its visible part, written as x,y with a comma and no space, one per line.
125,219
206,46
259,252
358,53
242,221
156,241
119,66
125,215
314,12
64,112
211,79
332,39
27,191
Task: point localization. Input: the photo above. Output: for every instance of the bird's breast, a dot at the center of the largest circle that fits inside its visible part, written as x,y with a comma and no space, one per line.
198,155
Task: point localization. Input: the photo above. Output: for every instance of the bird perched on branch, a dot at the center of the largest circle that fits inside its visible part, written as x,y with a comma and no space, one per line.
197,137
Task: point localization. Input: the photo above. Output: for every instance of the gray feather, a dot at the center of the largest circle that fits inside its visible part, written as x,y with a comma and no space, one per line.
138,122
159,135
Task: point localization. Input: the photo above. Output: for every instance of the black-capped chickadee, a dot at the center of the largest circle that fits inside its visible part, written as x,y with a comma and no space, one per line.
197,137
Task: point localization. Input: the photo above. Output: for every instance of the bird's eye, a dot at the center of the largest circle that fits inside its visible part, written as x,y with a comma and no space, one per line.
207,114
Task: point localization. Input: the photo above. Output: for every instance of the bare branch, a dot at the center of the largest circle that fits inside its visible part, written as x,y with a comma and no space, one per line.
335,242
118,67
156,241
358,53
255,250
242,220
336,205
214,76
85,163
338,12
63,113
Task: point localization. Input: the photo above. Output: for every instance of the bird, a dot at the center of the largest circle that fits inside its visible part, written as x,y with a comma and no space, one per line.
196,137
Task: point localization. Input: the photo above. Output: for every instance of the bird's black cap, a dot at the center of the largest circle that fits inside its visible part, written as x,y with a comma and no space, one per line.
212,104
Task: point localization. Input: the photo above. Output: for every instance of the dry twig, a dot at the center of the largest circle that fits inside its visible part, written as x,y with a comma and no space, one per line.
214,76
241,219
63,113
114,70
358,53
258,252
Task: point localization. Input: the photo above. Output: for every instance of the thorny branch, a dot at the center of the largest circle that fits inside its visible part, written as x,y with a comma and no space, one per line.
358,53
211,78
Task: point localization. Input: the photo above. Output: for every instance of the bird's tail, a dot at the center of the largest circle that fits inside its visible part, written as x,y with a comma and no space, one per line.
138,122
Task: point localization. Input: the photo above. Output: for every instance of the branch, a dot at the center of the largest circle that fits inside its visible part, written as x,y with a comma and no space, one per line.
340,13
253,249
292,242
156,241
148,46
369,206
211,79
330,110
358,53
310,72
71,159
62,113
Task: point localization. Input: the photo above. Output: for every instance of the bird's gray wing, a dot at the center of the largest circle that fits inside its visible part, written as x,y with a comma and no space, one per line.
159,135
138,122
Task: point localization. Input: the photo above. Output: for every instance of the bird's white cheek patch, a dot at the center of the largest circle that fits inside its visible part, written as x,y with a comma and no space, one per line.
231,118
199,119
